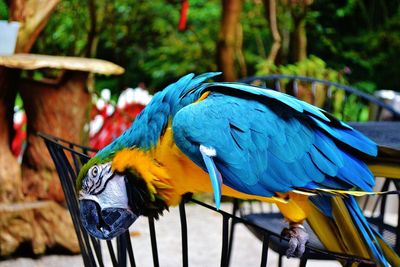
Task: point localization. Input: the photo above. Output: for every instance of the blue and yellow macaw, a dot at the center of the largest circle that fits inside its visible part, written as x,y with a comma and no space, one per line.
236,140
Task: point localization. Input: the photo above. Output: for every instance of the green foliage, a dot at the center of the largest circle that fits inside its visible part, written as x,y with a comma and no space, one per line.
256,36
178,53
363,35
347,108
142,36
310,67
3,10
66,32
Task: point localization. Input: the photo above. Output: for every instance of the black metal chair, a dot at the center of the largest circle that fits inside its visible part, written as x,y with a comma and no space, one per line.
267,217
351,105
68,159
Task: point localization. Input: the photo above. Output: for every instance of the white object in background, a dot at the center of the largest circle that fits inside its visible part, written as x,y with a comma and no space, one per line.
110,110
141,96
18,116
390,97
8,37
95,125
130,95
121,103
106,94
100,104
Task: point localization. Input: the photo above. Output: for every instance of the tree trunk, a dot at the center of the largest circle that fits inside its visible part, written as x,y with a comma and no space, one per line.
33,16
298,40
271,9
42,224
60,110
298,37
231,10
97,11
10,174
239,51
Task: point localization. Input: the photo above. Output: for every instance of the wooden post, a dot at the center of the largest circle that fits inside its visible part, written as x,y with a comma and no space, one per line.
231,10
271,10
60,110
10,174
298,37
33,16
59,107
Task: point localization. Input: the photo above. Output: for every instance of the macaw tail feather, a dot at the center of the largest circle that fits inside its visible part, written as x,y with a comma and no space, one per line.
366,230
341,226
392,257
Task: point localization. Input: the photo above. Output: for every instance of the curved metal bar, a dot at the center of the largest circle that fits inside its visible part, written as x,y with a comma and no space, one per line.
153,238
346,88
65,147
225,240
47,136
112,253
264,253
184,234
129,248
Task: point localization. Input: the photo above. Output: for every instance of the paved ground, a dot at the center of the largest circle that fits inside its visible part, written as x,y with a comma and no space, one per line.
204,228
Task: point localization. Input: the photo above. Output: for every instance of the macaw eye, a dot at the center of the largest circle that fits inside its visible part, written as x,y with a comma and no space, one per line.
94,171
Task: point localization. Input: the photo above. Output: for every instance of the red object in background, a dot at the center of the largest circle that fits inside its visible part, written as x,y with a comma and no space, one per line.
132,110
18,143
183,17
108,122
114,125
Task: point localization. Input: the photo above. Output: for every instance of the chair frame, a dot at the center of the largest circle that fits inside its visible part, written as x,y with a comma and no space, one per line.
63,153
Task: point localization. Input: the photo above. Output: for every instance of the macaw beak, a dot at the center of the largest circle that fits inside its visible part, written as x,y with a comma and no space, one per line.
106,223
110,211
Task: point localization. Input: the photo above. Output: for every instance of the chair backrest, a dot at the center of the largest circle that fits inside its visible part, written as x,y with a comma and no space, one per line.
345,102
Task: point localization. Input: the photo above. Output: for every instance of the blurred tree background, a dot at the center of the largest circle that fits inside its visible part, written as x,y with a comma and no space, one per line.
357,41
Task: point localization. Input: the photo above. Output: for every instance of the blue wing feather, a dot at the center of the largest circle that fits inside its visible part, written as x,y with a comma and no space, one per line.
266,147
283,98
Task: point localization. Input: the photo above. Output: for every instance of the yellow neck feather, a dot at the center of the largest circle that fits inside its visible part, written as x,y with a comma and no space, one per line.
185,175
169,173
155,176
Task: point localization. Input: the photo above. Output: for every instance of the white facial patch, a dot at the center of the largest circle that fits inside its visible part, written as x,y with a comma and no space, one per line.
97,178
113,196
106,188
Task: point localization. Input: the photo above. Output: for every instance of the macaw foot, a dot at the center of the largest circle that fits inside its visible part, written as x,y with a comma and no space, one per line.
298,238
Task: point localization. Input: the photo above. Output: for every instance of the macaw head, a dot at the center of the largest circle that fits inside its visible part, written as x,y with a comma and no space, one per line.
115,191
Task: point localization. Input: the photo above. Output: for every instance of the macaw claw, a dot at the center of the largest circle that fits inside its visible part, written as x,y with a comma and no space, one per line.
298,237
